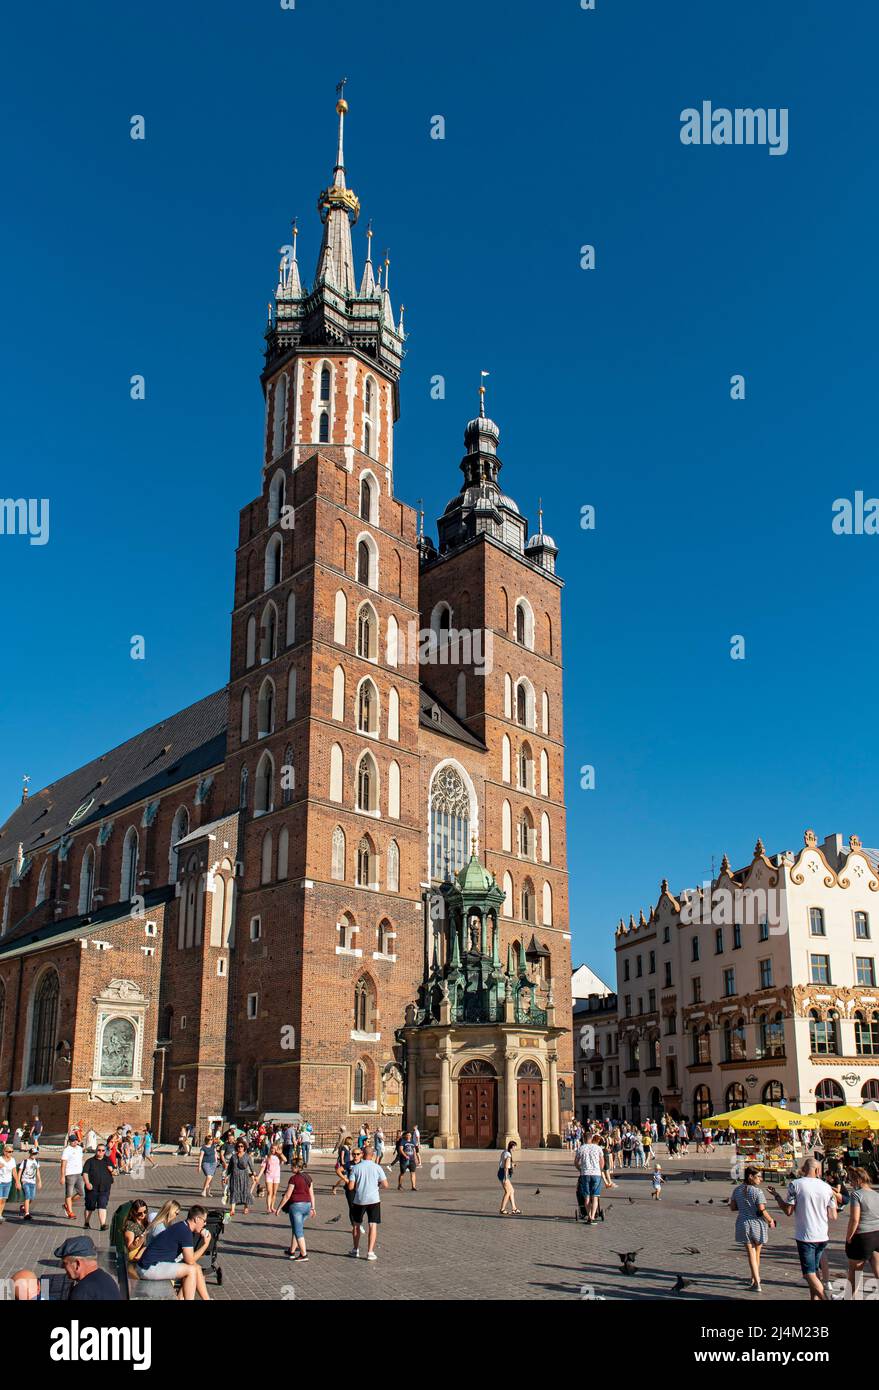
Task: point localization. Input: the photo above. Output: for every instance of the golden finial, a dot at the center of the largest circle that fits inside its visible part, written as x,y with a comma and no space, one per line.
473,845
341,104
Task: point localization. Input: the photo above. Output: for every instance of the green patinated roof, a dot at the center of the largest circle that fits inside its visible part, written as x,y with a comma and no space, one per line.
473,878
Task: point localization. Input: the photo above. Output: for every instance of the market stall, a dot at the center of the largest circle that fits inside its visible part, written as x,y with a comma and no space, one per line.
766,1136
843,1131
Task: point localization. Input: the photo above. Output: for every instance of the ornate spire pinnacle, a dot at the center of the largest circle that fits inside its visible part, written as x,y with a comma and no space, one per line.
387,307
24,790
339,209
540,516
482,376
367,283
400,330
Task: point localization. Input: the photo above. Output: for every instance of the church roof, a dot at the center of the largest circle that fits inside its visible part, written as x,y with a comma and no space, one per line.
25,938
175,750
435,715
474,878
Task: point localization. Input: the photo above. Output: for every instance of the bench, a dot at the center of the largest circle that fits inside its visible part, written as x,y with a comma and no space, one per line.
131,1286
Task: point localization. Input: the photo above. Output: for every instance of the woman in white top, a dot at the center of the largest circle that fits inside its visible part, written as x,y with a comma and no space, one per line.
8,1175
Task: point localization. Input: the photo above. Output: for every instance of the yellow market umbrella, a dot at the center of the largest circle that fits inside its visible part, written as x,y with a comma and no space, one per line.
759,1117
843,1117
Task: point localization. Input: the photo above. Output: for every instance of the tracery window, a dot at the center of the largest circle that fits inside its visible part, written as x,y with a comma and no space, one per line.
449,823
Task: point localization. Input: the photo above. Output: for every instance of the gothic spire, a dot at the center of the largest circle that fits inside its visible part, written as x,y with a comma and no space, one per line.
339,209
367,283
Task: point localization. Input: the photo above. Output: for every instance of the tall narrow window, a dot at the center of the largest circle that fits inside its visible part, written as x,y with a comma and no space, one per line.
264,800
242,790
325,384
323,434
449,823
393,867
363,563
86,880
128,886
337,869
288,780
44,1026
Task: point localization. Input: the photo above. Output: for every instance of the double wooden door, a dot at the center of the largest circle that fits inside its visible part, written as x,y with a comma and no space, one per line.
477,1112
530,1108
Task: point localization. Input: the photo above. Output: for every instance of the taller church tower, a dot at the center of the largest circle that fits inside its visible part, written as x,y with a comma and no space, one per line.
323,716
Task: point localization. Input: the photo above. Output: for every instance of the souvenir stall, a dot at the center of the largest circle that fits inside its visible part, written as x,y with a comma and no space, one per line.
767,1137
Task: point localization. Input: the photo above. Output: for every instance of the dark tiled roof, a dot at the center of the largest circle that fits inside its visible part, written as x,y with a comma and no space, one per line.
173,751
22,939
444,722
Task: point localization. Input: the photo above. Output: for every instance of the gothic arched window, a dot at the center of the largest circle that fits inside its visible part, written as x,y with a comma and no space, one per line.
364,1006
363,558
242,790
325,384
128,887
180,827
366,875
86,880
367,708
337,870
44,1026
393,867
449,823
266,709
367,633
367,784
264,800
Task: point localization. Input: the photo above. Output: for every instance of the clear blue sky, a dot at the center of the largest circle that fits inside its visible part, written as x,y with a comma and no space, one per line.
611,387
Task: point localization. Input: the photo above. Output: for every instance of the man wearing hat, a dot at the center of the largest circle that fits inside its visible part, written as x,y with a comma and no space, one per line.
90,1283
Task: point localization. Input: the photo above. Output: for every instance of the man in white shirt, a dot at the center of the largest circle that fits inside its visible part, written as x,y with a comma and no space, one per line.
813,1204
589,1162
71,1173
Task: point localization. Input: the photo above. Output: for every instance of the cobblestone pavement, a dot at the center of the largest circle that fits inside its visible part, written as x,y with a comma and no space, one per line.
446,1240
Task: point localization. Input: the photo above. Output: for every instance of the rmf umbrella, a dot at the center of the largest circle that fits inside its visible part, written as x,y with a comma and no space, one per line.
759,1117
843,1117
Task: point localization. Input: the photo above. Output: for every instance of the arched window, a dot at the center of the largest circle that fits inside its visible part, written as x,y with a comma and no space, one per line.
393,636
545,705
340,619
323,433
701,1103
773,1093
393,867
547,905
336,773
250,655
526,835
264,798
279,416
367,784
521,704
245,716
347,932
701,1045
870,1091
87,881
130,852
385,938
276,498
291,694
364,1006
368,495
369,430
366,864
42,893
179,828
290,625
242,790
338,706
828,1093
367,632
450,816
526,768
736,1096
367,438
273,562
288,777
506,756
44,1027
269,633
266,709
393,715
394,791
545,840
524,624
867,1034
508,895
367,562
266,858
529,913
506,828
337,867
544,773
367,708
325,381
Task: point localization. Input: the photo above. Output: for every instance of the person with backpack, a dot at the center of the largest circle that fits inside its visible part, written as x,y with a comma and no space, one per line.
505,1178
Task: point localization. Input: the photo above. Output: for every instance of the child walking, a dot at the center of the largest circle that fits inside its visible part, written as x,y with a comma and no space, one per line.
656,1182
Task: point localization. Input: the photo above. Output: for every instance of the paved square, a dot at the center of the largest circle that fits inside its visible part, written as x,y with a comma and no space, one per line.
446,1240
